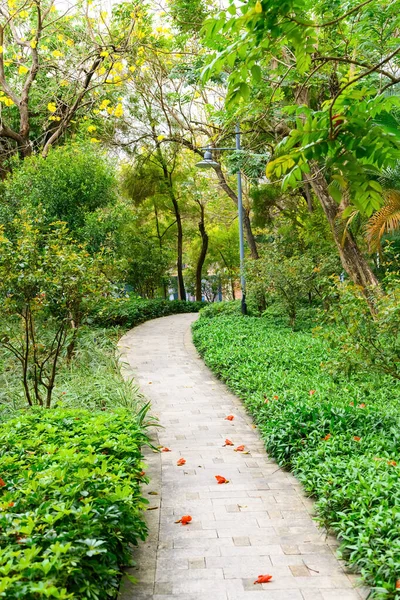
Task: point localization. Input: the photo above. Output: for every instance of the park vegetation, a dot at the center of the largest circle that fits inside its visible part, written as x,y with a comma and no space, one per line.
104,218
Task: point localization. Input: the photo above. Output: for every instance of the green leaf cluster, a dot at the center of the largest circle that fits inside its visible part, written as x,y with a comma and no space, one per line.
70,503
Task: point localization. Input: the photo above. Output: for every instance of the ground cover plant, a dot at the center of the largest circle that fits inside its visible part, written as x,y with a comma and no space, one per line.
339,434
130,311
70,502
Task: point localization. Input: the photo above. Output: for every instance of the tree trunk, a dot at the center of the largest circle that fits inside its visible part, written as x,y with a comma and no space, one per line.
179,262
203,253
246,219
352,259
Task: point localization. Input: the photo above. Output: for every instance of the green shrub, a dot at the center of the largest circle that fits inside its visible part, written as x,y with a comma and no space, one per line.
221,308
131,311
70,502
340,435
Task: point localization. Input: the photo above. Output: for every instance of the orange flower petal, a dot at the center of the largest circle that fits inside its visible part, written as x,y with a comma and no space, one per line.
2,482
327,437
229,418
263,579
221,479
392,463
228,443
181,462
186,519
398,584
165,449
312,392
239,448
356,438
276,397
362,405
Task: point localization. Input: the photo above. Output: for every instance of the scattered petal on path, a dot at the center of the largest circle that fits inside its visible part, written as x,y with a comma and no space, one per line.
165,450
239,448
181,462
263,579
185,520
221,479
228,443
229,418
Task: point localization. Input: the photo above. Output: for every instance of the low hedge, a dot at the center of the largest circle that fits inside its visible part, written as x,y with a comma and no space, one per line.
70,503
131,311
341,437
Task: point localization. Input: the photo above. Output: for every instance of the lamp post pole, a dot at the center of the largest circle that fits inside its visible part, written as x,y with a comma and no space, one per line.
240,218
209,163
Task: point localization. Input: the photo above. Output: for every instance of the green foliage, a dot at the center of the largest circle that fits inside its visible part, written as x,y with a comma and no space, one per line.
365,342
46,286
70,183
217,309
340,435
70,503
131,311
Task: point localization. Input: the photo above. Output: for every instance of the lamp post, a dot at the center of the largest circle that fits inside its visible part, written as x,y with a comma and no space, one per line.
209,163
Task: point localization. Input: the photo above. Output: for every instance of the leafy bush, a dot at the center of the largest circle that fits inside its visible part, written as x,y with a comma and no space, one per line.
340,435
366,342
70,502
221,308
131,311
46,285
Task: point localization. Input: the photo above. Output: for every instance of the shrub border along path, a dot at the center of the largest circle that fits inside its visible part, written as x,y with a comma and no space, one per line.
258,523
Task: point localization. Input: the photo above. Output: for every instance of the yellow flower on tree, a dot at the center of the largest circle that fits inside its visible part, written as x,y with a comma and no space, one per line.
8,101
52,107
119,111
104,53
22,70
94,140
57,54
33,44
91,128
104,104
23,14
70,43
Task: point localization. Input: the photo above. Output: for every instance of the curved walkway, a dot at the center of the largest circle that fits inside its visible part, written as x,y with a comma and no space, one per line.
259,523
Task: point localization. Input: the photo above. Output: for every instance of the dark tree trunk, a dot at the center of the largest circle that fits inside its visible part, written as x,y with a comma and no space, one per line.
203,253
179,262
352,259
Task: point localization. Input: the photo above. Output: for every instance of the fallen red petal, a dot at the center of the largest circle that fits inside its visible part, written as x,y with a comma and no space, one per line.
362,405
263,579
239,448
165,450
228,443
181,462
327,437
186,519
2,482
229,418
221,479
356,438
392,463
312,392
398,584
276,397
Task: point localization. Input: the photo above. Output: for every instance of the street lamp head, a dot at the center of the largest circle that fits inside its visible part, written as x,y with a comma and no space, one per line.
207,162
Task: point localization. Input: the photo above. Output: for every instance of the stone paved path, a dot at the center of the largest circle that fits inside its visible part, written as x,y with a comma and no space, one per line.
259,523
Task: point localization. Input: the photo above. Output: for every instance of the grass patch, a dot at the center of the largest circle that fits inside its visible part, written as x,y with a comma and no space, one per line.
339,435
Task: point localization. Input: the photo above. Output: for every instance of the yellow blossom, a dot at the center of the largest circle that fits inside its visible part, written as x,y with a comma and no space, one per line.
91,128
60,37
104,53
8,101
119,111
1,49
94,140
132,68
160,138
54,118
101,71
118,66
24,14
110,110
52,107
104,104
33,44
258,7
57,54
70,43
22,70
64,83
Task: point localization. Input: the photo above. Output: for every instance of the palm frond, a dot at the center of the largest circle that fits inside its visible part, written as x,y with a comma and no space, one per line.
385,220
